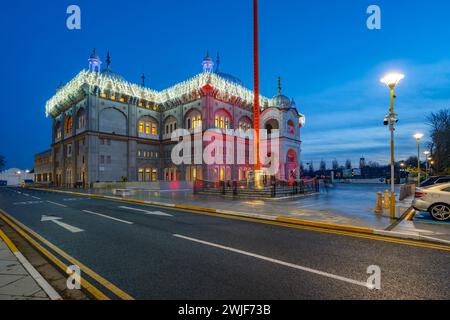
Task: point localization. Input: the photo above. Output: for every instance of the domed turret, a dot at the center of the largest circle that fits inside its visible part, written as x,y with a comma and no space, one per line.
280,100
208,64
94,62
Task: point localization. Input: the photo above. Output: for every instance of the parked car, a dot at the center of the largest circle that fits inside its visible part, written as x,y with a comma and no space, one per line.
27,183
3,183
435,180
434,199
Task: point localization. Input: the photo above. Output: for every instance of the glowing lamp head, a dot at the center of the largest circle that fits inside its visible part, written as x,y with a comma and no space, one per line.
418,136
392,79
426,153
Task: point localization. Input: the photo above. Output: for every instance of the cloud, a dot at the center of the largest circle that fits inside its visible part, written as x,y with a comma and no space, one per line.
346,121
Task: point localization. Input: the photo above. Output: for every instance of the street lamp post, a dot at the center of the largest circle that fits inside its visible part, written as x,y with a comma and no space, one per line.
391,80
418,137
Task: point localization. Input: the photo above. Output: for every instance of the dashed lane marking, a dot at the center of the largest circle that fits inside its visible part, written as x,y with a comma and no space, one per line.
107,217
24,203
57,204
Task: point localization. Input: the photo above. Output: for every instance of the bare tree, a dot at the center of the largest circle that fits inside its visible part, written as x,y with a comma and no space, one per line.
440,135
311,167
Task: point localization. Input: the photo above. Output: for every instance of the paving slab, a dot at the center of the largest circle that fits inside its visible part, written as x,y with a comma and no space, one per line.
15,281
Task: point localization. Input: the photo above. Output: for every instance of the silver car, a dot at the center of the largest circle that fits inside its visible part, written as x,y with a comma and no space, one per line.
435,200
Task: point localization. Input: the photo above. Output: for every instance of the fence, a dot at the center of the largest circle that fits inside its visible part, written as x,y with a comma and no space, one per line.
269,189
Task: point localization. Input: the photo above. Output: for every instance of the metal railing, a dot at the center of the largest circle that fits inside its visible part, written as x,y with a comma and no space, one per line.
269,189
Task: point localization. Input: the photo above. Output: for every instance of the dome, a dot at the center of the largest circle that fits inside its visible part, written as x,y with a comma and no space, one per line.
281,101
108,72
230,78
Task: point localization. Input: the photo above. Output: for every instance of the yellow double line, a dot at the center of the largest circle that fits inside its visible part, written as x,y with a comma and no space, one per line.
28,234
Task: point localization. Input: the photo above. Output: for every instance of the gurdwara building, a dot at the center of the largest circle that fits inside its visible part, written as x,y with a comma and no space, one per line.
107,129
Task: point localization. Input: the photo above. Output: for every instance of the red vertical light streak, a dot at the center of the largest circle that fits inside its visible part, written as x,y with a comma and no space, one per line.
256,118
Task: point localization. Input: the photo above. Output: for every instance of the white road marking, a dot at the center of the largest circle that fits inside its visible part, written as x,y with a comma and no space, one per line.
57,221
27,203
107,217
154,213
286,264
36,198
37,276
57,204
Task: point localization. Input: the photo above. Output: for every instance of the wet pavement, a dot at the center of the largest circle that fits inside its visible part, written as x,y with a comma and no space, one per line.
347,204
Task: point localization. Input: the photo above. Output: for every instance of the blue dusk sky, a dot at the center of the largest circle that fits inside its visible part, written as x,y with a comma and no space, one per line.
329,60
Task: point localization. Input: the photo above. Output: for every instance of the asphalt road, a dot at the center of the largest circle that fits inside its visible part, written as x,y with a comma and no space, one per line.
155,253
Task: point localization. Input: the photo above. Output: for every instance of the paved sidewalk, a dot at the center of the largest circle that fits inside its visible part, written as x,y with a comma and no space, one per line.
16,283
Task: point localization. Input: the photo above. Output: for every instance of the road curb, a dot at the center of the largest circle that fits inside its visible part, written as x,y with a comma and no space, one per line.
292,221
40,280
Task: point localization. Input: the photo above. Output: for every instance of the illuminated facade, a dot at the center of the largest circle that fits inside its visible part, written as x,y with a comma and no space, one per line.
106,129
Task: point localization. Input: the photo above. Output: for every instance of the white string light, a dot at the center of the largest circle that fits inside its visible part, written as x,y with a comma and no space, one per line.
88,80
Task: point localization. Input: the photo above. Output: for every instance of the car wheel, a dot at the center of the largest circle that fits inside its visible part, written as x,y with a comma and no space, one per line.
440,212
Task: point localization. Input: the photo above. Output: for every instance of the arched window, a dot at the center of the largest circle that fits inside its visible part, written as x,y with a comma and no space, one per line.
148,126
291,127
223,119
193,119
68,125
81,117
58,130
170,125
245,124
272,125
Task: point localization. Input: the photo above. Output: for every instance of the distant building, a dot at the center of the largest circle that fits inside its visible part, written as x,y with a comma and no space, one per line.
43,169
362,163
14,176
106,129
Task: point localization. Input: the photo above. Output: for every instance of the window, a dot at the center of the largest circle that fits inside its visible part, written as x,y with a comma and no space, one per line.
108,160
141,175
154,175
102,159
148,126
68,125
81,115
147,175
217,122
69,150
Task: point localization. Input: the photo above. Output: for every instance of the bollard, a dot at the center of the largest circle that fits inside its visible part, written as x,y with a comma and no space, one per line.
379,203
386,200
393,200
